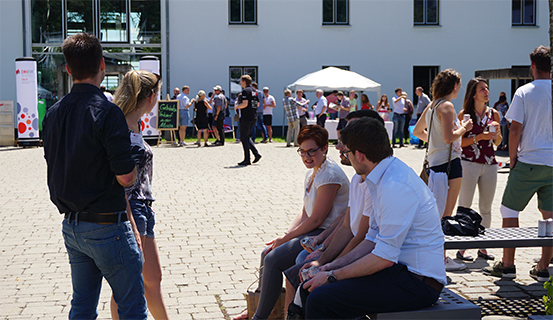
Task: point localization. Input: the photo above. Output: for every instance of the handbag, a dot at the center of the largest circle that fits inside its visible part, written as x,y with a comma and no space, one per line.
252,300
425,173
466,222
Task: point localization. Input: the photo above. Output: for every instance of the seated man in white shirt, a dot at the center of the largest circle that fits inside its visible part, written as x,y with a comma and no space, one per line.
399,266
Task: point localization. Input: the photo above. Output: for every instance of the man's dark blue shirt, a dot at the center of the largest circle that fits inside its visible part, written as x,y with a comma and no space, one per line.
86,144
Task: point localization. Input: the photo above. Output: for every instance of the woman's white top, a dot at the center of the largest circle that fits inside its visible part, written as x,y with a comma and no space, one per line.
438,150
329,173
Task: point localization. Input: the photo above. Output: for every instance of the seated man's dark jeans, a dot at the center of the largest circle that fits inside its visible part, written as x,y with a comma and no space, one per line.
393,289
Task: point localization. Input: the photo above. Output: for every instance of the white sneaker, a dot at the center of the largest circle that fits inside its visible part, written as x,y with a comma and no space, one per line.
451,265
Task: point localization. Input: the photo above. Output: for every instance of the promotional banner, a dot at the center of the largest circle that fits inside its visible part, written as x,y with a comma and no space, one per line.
27,92
148,121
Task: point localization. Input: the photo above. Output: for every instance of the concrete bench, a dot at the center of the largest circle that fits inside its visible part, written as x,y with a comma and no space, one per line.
449,306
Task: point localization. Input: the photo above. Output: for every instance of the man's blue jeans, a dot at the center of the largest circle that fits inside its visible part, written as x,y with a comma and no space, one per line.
399,124
109,251
259,125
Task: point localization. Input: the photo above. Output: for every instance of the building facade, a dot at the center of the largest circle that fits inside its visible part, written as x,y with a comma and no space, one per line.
203,43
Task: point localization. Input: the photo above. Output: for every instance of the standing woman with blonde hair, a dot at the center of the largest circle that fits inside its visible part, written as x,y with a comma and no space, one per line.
444,142
136,96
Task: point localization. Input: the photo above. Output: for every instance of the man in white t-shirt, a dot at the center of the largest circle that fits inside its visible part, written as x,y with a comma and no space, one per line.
400,112
320,108
531,155
184,115
268,106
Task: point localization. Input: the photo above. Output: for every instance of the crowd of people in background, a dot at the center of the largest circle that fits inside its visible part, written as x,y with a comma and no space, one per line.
209,121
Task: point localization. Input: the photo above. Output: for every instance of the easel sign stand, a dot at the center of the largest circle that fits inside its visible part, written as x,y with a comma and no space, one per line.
168,118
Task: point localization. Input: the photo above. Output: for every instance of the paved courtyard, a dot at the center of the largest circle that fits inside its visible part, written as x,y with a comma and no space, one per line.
212,222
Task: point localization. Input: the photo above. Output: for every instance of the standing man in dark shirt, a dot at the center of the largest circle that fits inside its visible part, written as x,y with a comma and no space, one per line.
87,151
219,103
247,104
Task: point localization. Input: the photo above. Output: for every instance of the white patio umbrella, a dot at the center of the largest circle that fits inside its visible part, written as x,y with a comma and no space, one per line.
333,78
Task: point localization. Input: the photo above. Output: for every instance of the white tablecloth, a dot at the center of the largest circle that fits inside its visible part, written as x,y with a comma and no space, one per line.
330,126
389,128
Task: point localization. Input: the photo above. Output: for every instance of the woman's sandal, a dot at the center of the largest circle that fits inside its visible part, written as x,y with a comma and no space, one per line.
460,256
485,256
242,315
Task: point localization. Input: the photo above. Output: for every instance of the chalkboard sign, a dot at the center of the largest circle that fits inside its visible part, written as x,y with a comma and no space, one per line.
168,115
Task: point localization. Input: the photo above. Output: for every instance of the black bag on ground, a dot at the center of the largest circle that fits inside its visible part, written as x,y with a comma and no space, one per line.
466,222
295,312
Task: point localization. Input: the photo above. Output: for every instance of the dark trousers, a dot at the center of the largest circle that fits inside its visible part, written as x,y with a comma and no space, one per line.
321,120
246,127
220,127
303,121
421,142
259,125
392,289
406,134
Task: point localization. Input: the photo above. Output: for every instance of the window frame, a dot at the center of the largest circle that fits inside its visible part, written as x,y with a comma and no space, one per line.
522,12
335,14
242,14
242,72
425,14
127,22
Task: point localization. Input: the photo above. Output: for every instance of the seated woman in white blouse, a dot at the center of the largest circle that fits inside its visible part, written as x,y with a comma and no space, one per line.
326,197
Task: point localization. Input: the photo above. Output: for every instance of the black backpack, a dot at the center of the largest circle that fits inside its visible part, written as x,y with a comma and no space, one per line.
466,222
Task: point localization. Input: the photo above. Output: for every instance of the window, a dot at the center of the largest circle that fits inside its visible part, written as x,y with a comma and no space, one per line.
128,29
79,17
136,22
517,83
426,12
242,12
234,76
524,13
47,20
114,21
335,12
423,77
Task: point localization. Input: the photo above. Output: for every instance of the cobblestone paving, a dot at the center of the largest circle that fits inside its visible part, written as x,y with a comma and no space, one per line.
213,219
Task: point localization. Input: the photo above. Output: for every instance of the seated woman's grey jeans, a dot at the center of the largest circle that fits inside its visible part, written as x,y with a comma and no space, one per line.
270,274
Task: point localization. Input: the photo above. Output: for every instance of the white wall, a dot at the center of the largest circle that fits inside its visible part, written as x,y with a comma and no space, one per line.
380,43
11,45
290,41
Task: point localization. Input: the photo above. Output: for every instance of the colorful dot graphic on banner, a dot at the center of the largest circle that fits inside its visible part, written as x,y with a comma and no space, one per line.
26,122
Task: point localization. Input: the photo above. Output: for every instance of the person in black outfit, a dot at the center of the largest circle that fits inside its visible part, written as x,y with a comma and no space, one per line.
201,121
87,149
219,105
248,99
